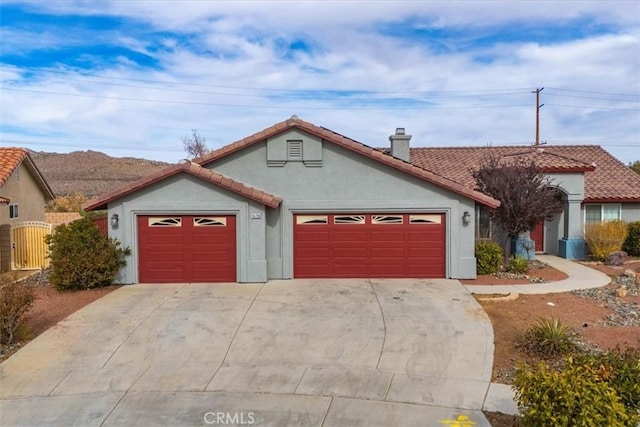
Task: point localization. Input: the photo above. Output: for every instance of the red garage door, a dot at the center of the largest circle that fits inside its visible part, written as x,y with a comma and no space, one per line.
187,249
369,245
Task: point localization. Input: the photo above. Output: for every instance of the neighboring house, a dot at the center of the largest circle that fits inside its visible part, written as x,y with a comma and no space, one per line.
24,194
595,187
299,200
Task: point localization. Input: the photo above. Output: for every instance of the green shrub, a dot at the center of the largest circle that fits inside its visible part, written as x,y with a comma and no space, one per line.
549,338
489,255
631,244
621,369
82,258
577,395
604,238
16,298
518,265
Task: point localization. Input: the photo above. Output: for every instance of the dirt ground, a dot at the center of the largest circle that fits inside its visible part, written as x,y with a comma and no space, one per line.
511,319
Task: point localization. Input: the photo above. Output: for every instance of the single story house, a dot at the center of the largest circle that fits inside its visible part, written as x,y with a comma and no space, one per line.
24,194
297,200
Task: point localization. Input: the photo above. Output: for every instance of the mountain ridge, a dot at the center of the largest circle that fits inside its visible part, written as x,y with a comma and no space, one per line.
91,173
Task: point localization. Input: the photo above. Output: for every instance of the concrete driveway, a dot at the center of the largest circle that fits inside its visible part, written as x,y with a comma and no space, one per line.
286,353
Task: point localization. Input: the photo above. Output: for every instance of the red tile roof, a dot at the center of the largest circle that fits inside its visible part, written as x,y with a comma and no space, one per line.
11,158
4,201
429,175
606,178
192,169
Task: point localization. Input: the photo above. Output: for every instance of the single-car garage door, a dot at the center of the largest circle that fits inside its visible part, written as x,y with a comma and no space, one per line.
369,245
186,249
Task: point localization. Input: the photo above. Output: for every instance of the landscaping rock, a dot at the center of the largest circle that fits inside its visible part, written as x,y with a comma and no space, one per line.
616,258
625,313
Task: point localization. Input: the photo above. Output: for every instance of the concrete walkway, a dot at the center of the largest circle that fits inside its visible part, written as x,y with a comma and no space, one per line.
580,277
500,397
286,353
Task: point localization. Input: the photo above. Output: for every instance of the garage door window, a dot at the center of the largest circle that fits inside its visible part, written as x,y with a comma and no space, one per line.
312,219
165,222
209,221
387,219
349,219
425,219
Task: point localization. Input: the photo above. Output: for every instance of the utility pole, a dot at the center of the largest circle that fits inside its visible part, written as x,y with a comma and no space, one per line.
538,106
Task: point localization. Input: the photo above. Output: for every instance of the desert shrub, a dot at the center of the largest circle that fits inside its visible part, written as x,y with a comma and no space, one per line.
16,298
576,395
631,244
518,265
604,238
548,338
82,257
489,255
621,369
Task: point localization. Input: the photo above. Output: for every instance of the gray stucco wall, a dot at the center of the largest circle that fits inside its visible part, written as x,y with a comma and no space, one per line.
345,182
327,178
631,212
185,194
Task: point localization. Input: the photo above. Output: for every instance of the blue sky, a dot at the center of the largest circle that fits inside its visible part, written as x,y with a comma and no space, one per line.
132,78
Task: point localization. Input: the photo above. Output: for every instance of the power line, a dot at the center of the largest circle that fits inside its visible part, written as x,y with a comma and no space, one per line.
290,90
271,107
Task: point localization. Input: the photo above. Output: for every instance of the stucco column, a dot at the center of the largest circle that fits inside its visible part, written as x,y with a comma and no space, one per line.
572,244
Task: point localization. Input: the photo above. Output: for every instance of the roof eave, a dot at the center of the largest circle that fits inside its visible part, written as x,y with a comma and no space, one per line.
630,199
44,185
567,169
192,169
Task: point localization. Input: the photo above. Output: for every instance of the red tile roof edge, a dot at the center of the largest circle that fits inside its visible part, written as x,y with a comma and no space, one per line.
611,200
24,155
193,169
4,201
351,145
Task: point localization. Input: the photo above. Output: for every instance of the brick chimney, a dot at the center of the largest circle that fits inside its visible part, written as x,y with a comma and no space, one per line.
400,145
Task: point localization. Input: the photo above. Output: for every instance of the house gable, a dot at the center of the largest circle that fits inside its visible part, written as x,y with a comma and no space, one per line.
328,136
194,170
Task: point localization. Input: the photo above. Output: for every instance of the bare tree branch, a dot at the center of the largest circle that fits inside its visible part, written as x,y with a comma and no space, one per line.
527,197
195,146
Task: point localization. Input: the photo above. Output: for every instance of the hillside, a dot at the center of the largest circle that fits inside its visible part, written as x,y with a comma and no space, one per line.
90,172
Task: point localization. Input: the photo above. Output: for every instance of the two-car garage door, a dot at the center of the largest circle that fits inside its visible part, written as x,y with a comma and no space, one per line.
369,245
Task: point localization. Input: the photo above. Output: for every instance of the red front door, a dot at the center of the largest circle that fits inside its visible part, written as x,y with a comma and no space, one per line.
186,248
369,245
537,235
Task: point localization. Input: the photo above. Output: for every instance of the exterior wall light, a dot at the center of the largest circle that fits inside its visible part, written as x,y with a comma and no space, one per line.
466,218
114,220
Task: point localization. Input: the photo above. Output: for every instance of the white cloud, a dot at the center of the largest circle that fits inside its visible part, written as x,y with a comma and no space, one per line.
215,56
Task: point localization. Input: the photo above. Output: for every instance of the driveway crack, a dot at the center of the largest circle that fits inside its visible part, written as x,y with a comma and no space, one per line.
233,337
384,323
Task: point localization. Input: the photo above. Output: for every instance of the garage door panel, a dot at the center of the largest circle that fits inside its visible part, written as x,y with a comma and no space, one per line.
394,245
175,249
382,253
349,252
313,235
350,236
387,235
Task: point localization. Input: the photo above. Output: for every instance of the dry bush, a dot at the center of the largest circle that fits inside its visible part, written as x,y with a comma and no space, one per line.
604,238
16,298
